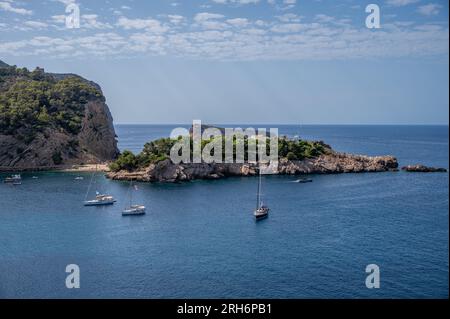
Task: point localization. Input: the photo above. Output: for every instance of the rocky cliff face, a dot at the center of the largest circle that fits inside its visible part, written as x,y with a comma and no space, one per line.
332,163
51,121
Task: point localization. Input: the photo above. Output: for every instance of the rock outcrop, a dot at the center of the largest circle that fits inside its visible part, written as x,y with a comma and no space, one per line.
423,169
73,126
332,163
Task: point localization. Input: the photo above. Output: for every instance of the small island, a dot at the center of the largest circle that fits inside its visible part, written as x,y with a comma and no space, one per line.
296,157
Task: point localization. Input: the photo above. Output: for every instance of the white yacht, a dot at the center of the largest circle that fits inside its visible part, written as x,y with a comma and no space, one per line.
133,210
262,210
13,179
100,200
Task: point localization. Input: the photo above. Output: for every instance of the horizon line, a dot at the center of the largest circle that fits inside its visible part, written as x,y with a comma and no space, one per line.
295,124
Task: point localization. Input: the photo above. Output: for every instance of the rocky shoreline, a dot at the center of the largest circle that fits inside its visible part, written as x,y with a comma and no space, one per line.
332,163
418,168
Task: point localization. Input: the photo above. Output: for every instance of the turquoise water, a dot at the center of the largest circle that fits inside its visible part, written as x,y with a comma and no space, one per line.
199,240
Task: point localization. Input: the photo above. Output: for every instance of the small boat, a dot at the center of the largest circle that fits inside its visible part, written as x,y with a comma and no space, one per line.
304,180
79,178
262,210
133,210
100,200
35,177
13,179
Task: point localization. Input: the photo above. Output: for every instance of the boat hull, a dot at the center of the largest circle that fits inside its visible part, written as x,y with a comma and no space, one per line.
261,213
304,181
134,212
95,203
261,217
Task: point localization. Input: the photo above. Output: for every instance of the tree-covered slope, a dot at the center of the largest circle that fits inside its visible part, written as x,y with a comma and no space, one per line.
49,120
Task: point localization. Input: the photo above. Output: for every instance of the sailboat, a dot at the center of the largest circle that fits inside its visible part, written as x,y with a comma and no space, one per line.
133,210
14,179
100,199
262,210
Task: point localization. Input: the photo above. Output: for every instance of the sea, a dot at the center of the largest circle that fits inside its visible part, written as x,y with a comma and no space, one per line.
199,239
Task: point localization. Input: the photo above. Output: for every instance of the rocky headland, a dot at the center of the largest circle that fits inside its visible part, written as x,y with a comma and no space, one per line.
52,121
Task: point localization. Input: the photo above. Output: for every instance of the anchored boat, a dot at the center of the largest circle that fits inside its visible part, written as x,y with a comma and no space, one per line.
100,199
133,210
13,179
262,210
304,180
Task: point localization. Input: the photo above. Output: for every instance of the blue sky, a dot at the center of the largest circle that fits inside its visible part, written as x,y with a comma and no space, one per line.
244,61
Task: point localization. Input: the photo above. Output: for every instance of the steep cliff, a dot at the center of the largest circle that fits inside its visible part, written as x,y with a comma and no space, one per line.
50,120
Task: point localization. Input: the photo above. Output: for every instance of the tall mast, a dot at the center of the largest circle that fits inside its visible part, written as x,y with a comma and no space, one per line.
96,168
258,199
89,187
260,187
131,193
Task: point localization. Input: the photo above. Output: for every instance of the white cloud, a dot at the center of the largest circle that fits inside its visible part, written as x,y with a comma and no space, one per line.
214,36
65,2
287,28
151,25
429,9
7,6
323,18
205,16
238,22
210,21
236,1
400,3
175,19
283,5
90,21
36,24
288,17
60,19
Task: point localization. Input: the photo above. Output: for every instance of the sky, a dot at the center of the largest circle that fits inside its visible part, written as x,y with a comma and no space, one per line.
244,61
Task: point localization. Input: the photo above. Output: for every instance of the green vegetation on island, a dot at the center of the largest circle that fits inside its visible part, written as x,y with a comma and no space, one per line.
159,150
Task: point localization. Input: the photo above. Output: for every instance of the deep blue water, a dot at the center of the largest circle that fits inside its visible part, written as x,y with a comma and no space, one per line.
199,239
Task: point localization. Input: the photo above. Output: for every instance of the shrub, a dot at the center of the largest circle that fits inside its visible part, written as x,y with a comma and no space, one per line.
127,160
57,158
291,156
